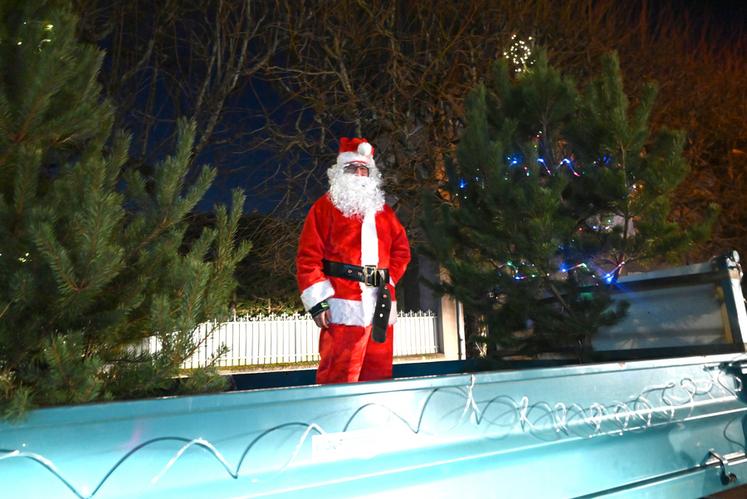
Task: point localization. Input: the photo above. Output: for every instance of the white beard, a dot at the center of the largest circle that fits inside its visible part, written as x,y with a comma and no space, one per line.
354,195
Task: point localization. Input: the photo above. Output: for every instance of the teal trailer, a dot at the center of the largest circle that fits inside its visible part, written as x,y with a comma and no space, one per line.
654,428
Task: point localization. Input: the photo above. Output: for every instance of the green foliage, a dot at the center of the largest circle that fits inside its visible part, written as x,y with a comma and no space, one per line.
641,170
92,260
267,280
552,192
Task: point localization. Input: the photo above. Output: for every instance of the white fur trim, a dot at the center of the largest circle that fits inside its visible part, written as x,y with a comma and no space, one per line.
350,312
369,256
317,292
369,240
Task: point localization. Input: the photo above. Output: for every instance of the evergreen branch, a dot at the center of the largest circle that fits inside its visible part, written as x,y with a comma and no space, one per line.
41,95
21,135
60,363
57,258
559,297
5,309
159,229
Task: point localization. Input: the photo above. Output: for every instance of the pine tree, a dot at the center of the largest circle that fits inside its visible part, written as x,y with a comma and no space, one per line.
551,193
91,257
631,179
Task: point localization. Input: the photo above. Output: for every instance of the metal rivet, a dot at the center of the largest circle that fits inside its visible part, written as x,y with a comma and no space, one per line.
350,271
381,315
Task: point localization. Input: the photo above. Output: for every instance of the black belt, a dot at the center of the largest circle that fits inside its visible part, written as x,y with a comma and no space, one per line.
372,276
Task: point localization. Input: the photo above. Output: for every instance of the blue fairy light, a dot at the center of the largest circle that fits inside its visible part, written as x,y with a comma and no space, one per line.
462,183
567,162
514,159
541,161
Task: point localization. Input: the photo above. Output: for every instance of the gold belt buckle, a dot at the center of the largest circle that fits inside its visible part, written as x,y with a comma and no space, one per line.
370,275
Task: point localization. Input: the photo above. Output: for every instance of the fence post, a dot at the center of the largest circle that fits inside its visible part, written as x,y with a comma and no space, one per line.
451,329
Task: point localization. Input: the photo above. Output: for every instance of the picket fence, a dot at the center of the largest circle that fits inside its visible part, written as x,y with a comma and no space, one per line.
281,339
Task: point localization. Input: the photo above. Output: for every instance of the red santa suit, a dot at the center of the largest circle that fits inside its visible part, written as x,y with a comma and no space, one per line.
347,350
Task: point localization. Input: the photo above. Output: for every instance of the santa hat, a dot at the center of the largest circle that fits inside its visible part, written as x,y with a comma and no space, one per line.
357,149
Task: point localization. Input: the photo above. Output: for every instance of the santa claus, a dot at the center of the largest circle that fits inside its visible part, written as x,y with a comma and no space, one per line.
351,253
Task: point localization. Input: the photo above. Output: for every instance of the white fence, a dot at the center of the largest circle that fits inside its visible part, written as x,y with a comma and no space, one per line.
279,339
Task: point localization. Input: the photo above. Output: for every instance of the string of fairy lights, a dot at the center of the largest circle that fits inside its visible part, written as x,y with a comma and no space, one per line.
519,53
46,34
602,223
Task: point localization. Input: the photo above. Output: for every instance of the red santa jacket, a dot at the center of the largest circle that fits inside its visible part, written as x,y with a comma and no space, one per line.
327,234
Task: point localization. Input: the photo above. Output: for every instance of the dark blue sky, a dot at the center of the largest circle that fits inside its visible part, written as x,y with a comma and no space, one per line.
249,170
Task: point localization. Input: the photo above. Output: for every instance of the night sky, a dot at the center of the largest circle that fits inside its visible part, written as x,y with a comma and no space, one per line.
729,15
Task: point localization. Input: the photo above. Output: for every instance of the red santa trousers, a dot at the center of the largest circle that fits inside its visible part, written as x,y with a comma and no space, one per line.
349,354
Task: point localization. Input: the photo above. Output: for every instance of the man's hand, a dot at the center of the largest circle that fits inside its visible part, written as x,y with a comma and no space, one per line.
322,319
320,314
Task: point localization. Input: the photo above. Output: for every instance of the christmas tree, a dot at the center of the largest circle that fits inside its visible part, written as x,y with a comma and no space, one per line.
552,192
91,256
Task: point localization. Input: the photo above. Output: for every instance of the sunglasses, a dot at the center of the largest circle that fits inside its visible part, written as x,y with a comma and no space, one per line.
355,167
